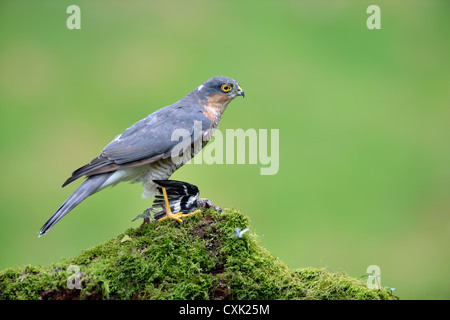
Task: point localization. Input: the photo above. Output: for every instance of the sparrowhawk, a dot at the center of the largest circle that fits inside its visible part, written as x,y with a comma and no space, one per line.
144,151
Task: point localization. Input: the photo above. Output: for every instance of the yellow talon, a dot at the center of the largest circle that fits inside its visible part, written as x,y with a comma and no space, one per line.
191,214
175,216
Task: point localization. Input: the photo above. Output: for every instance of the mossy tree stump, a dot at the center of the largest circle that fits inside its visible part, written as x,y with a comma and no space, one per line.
200,259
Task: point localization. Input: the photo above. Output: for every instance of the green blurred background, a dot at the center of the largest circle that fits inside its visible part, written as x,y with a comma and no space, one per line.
363,116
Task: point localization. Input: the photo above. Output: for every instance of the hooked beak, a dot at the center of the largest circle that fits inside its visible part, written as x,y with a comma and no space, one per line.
240,92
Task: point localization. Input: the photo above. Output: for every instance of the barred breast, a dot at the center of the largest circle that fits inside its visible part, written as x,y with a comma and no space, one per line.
164,168
159,170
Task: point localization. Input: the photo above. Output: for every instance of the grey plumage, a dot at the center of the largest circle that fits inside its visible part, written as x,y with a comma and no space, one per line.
87,188
143,152
148,140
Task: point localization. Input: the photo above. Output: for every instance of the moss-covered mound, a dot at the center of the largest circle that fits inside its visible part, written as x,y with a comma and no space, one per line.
200,259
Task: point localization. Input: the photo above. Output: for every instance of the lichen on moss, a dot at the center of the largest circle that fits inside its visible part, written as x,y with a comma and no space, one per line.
199,259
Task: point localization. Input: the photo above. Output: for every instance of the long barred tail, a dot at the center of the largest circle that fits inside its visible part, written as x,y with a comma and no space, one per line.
89,187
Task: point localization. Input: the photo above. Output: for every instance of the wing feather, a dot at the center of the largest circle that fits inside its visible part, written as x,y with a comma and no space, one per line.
148,140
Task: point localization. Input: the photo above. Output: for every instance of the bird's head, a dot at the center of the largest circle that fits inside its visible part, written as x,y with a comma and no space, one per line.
220,89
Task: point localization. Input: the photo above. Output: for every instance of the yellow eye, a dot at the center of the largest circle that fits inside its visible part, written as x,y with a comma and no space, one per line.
226,87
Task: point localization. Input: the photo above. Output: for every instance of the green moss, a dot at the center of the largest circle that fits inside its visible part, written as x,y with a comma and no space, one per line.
199,259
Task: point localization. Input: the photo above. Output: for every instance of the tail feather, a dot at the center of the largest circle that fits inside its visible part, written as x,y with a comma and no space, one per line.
89,187
95,164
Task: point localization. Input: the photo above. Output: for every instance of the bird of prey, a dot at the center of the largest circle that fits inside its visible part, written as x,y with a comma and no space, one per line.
181,197
146,151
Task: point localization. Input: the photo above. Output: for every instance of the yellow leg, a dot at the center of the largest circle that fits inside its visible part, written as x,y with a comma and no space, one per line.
175,216
192,213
